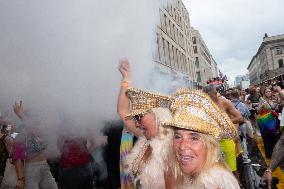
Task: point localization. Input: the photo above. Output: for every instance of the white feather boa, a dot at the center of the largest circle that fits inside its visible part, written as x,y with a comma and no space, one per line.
152,173
215,178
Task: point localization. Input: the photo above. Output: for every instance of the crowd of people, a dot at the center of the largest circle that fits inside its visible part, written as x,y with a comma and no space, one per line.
25,162
257,110
189,139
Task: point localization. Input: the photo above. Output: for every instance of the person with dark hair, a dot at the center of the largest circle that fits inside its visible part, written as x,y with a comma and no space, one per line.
242,96
254,96
243,109
75,168
252,102
235,98
224,104
6,144
113,131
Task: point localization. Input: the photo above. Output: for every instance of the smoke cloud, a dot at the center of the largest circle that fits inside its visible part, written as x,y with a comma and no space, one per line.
60,57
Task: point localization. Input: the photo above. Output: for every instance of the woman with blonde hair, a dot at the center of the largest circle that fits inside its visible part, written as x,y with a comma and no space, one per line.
194,158
142,114
266,120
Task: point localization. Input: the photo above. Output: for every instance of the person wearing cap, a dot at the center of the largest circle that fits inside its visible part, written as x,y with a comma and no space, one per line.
195,159
142,113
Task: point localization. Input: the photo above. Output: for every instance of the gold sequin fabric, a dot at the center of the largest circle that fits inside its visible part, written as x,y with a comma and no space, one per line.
194,110
142,101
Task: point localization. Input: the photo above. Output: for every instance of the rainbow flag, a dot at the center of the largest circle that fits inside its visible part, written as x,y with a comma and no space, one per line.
266,122
126,145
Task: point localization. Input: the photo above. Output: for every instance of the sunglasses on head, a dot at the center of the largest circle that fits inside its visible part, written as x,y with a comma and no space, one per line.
138,117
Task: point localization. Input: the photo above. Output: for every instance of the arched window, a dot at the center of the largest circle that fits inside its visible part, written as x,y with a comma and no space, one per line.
280,63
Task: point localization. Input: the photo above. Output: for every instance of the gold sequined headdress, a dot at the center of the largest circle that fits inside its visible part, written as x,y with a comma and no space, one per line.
194,110
142,101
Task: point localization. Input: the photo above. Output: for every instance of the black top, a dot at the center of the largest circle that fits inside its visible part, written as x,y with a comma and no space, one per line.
253,98
4,155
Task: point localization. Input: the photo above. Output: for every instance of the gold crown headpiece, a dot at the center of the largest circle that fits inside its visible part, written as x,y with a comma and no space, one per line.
194,110
142,101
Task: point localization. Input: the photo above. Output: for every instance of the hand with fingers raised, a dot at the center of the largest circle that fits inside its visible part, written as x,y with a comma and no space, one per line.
19,109
124,68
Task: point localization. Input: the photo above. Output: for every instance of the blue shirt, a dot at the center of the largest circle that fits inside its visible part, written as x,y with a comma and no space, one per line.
242,108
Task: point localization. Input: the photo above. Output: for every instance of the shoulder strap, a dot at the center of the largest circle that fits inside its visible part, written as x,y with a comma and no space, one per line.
237,104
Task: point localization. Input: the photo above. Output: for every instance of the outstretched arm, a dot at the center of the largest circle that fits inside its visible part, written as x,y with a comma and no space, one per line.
276,159
20,112
278,153
123,104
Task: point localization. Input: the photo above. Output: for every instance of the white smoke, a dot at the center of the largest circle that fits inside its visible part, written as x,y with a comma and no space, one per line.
60,57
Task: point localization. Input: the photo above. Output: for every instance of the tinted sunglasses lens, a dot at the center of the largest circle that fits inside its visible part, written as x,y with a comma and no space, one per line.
137,118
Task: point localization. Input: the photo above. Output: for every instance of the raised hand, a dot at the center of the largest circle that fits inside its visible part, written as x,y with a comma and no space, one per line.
124,68
267,178
19,109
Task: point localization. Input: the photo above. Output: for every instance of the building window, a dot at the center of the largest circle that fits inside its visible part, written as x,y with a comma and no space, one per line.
195,49
174,57
183,63
166,53
158,48
278,51
165,23
280,63
196,62
173,31
194,40
163,56
169,54
177,59
188,66
198,77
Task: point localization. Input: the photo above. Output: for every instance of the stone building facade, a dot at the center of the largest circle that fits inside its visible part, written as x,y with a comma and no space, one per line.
205,65
215,71
174,52
267,63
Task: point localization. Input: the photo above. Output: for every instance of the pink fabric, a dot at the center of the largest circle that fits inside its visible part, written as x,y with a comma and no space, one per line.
18,151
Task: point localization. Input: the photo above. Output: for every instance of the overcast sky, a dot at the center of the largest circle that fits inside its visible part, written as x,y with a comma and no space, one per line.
233,29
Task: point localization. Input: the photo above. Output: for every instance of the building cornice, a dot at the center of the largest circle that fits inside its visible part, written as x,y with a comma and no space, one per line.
266,41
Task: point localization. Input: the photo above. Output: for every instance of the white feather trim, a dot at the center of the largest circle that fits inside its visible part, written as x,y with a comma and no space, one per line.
215,178
152,173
